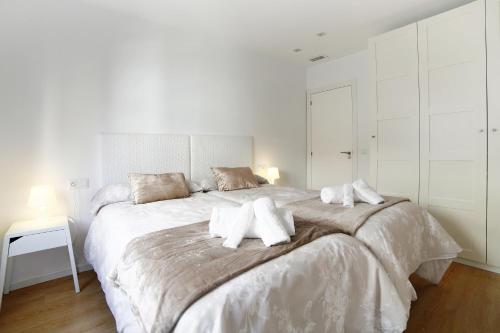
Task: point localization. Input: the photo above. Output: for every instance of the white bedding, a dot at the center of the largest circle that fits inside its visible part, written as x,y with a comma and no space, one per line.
333,284
405,238
280,194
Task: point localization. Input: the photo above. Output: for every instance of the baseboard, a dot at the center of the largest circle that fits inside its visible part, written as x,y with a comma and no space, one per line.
47,277
479,265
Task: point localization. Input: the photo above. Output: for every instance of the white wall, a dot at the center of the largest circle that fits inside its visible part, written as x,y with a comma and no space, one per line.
70,71
351,68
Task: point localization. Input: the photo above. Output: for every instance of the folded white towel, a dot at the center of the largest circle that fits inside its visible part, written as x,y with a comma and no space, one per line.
270,224
332,194
223,218
335,194
240,226
348,200
366,193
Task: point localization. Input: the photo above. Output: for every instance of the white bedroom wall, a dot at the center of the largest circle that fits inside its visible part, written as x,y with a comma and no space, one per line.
350,68
69,71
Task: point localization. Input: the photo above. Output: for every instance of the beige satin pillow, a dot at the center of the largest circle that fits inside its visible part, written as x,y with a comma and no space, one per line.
229,179
149,187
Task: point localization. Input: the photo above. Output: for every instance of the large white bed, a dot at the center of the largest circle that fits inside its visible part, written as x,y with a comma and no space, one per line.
333,284
336,283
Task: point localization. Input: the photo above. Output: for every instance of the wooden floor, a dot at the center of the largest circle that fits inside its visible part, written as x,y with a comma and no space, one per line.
467,300
54,307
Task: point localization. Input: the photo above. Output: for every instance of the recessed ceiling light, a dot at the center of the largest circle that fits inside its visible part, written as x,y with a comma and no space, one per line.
321,34
297,50
318,58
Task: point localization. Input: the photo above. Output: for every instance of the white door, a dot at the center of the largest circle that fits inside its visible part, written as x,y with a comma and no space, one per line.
493,42
331,137
453,124
394,99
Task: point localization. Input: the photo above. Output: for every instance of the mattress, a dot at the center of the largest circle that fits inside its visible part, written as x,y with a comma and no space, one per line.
403,239
332,284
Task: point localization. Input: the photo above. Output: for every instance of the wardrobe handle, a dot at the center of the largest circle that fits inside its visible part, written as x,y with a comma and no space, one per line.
481,130
373,136
494,129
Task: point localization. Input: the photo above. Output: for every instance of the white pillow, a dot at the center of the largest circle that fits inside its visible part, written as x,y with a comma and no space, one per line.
108,195
194,186
208,184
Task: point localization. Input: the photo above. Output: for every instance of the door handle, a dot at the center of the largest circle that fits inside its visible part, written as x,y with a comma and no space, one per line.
348,153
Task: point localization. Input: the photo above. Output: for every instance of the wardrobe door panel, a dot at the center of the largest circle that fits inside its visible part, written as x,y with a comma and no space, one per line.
394,177
450,38
392,139
395,53
457,223
493,42
452,136
446,191
449,91
394,153
453,124
394,95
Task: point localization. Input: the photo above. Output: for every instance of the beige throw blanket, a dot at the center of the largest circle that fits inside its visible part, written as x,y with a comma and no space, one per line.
348,220
164,272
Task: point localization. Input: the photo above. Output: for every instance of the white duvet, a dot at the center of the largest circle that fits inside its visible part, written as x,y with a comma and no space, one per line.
333,284
405,238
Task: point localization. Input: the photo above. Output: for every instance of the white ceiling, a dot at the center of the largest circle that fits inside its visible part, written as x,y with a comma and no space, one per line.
276,27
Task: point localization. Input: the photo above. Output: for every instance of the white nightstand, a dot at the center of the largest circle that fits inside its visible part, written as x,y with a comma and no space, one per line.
33,236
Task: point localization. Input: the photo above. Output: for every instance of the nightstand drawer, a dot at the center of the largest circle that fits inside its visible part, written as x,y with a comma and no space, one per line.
37,242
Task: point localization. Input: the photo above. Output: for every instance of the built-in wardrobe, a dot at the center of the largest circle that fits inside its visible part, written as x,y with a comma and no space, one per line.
435,100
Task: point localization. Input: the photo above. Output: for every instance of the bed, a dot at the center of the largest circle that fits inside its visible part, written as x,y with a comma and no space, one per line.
335,283
405,238
342,286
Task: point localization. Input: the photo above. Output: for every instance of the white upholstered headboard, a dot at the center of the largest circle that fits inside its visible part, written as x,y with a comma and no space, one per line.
143,153
160,153
219,151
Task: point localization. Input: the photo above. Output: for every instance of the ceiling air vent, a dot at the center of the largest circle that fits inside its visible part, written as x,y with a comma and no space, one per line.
318,58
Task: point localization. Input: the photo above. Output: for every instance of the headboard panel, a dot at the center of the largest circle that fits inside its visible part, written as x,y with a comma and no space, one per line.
219,150
159,153
144,153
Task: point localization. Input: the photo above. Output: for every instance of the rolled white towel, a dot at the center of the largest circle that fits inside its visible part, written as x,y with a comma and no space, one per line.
366,193
332,194
218,227
224,217
287,217
335,194
270,224
348,200
240,226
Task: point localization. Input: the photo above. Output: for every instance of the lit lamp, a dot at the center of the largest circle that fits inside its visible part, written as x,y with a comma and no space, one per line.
272,174
41,198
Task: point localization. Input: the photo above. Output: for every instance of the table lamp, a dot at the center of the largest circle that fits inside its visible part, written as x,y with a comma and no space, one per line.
41,198
273,173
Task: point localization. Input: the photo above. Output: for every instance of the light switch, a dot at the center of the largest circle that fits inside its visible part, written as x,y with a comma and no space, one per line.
79,183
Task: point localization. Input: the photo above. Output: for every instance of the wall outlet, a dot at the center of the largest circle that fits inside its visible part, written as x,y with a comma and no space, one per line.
78,183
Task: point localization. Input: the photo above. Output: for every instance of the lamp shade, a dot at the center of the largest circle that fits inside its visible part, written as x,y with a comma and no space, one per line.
41,197
273,173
